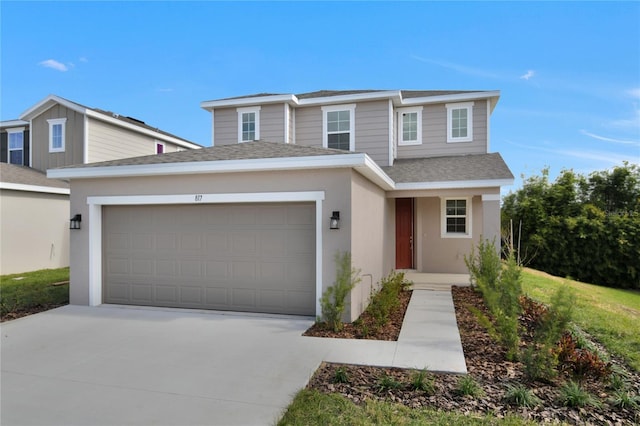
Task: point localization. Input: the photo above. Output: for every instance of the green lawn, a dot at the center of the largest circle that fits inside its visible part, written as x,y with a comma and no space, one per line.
311,407
31,291
611,316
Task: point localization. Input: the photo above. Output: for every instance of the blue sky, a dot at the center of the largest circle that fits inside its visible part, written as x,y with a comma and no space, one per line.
569,73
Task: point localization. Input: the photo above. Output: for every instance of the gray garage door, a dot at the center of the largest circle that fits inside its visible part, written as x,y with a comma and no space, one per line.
244,257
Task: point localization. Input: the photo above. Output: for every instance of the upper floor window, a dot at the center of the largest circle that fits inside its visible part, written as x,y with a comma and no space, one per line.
338,127
460,122
456,218
248,124
410,126
57,134
159,148
16,146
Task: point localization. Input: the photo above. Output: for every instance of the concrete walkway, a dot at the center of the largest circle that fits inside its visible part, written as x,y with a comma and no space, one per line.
109,365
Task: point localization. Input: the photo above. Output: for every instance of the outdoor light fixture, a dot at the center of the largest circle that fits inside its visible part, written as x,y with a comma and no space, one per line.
74,222
334,220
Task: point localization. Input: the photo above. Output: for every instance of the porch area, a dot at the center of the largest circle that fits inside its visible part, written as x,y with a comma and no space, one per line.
438,282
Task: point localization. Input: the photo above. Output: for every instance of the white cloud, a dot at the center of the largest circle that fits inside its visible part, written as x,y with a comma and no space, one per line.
83,59
606,139
635,93
52,63
528,75
632,123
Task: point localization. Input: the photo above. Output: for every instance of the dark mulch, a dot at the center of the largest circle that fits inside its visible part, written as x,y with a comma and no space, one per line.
365,327
30,311
487,365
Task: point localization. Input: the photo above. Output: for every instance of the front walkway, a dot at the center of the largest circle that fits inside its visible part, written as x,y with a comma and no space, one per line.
429,339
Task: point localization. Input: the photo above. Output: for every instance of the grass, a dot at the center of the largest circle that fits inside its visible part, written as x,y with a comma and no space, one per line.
311,407
33,290
611,316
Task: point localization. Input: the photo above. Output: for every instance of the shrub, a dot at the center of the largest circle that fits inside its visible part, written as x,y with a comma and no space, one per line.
421,380
573,395
625,400
386,299
581,362
521,396
467,386
539,362
333,300
386,382
341,376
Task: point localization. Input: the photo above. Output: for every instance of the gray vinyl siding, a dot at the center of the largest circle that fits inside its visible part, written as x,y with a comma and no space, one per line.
291,124
271,123
309,126
372,130
225,126
110,142
74,139
434,134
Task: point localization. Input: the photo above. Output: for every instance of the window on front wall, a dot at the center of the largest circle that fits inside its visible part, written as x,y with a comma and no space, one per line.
456,218
248,124
57,134
410,126
460,122
16,146
338,125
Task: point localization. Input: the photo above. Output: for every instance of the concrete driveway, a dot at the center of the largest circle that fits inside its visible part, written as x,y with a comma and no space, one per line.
79,365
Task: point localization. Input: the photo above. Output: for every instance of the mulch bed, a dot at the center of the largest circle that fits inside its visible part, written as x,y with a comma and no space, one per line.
487,365
26,312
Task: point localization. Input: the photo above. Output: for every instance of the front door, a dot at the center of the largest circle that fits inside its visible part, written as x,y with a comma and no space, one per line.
404,233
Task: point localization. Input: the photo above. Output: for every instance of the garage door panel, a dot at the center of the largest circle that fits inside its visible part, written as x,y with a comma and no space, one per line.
258,257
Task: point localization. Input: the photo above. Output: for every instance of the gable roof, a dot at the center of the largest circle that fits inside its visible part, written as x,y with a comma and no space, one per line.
22,178
443,171
483,170
107,116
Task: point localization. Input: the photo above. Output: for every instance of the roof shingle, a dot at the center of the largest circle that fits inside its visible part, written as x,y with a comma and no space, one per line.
10,173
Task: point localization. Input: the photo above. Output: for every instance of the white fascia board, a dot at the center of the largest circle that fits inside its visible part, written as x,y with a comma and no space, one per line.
327,100
14,123
219,166
47,103
451,98
375,174
256,100
34,188
454,184
106,118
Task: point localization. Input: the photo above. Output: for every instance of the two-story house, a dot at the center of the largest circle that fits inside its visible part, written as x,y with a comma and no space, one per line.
400,179
56,132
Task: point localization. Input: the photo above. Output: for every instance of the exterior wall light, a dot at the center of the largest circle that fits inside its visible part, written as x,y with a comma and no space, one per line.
74,222
334,220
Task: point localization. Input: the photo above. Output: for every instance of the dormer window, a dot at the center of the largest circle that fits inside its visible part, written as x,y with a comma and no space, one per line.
159,148
410,126
57,134
460,122
16,146
248,124
338,127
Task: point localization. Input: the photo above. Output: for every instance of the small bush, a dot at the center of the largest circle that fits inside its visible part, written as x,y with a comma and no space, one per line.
386,382
467,386
333,300
625,400
539,362
341,375
573,395
617,382
386,300
532,311
421,380
581,362
519,395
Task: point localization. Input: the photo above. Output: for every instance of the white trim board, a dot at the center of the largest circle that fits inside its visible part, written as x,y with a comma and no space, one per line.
34,188
95,224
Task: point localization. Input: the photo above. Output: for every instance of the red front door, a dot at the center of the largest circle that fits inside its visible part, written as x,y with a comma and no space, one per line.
404,233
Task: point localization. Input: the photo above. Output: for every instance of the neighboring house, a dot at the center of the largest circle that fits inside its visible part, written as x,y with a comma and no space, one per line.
56,132
249,224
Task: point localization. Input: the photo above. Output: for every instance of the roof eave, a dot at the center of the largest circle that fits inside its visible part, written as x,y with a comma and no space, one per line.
458,97
256,100
47,103
454,184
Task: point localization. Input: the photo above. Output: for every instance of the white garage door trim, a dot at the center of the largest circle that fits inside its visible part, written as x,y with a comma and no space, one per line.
95,224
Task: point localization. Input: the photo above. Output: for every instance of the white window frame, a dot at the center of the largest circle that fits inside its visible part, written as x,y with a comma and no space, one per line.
15,130
352,123
401,115
53,122
248,110
468,218
163,147
468,106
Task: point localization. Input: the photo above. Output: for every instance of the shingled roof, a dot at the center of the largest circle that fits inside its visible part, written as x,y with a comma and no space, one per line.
10,173
451,168
242,151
